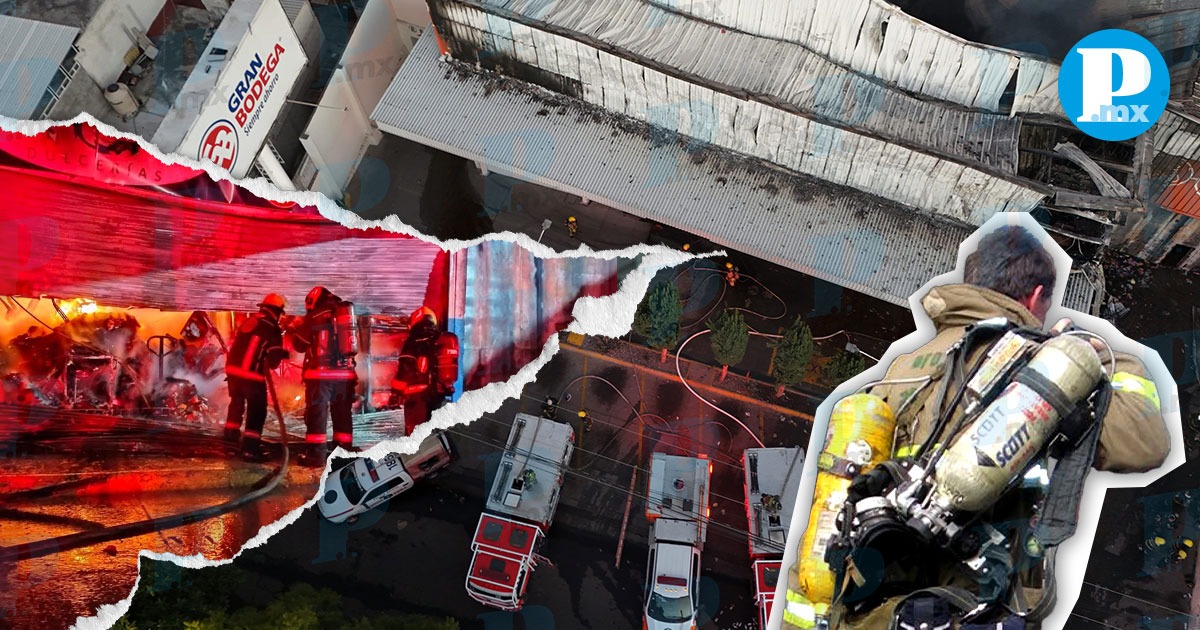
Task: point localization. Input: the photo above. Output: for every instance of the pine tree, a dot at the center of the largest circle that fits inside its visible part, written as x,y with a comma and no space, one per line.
793,353
657,317
843,367
729,337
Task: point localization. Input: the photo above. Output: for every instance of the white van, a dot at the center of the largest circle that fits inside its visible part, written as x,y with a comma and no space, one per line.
364,484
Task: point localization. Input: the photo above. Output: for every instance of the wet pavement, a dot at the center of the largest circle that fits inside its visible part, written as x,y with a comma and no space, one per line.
90,483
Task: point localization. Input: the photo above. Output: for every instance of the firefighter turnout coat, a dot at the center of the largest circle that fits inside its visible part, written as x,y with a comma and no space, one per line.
328,343
257,347
1133,435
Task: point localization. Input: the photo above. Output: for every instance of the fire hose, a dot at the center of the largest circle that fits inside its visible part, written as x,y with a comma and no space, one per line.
58,544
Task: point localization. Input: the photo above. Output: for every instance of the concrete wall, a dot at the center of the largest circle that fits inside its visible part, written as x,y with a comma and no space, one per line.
106,39
341,130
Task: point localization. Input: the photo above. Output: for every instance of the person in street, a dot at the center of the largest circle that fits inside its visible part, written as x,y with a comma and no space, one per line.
1009,276
731,274
572,227
585,421
328,337
257,347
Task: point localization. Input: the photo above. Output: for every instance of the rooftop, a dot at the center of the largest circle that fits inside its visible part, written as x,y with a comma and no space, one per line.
543,447
835,233
775,472
31,52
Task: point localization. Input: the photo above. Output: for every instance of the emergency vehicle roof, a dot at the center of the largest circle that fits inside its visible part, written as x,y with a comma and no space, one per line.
673,568
501,547
766,576
773,471
537,444
678,487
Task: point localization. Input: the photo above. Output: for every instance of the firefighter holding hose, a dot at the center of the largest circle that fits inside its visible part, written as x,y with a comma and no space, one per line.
257,347
328,337
923,511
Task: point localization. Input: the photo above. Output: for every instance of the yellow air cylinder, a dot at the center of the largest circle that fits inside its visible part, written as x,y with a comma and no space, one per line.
861,429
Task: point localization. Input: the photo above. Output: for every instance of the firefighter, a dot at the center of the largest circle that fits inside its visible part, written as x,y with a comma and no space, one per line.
427,368
1009,276
257,347
550,408
585,421
687,248
328,337
731,274
572,227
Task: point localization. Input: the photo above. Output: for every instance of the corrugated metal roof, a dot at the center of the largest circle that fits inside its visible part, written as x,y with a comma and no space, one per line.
879,39
31,53
769,70
834,233
293,8
831,232
841,153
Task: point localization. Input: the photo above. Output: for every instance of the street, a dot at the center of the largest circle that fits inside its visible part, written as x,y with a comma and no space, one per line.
414,554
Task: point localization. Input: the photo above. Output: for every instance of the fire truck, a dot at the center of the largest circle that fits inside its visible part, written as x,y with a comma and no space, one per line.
678,511
772,478
520,508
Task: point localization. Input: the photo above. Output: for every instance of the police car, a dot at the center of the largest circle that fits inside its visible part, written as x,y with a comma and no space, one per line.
364,484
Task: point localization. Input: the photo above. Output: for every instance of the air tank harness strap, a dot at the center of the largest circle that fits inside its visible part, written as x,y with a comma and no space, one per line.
1060,509
957,598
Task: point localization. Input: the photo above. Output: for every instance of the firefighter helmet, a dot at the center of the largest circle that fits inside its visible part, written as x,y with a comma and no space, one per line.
571,219
582,413
423,313
729,265
687,247
274,300
314,296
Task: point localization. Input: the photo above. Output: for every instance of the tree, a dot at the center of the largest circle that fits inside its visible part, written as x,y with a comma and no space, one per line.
843,367
793,353
729,337
657,317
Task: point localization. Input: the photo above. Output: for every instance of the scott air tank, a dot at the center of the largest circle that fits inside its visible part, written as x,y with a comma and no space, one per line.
860,434
447,361
345,325
999,444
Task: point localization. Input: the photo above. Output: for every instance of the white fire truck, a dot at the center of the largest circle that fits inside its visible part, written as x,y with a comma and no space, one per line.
520,508
678,511
772,478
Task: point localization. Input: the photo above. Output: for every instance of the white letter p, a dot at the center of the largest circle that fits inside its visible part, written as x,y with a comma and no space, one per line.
1097,74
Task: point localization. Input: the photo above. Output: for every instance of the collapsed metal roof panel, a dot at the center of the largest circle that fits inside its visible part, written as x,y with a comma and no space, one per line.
967,192
838,234
879,39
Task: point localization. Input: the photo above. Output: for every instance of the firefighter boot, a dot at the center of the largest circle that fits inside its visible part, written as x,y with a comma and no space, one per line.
313,455
252,450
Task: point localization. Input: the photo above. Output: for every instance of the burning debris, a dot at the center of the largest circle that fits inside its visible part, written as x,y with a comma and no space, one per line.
101,359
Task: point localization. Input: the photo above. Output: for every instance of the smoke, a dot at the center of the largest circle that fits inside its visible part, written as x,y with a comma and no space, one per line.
1043,27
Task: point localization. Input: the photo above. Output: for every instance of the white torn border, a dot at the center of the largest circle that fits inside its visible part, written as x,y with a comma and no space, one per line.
610,316
1073,554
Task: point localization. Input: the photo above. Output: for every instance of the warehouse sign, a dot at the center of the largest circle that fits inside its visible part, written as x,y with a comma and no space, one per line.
250,92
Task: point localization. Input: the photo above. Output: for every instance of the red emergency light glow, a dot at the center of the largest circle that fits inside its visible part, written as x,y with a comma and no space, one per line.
671,581
371,470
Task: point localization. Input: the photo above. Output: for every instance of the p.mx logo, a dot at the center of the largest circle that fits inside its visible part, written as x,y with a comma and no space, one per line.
1114,85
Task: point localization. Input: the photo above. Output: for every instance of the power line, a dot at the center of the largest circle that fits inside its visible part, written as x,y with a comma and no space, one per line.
647,497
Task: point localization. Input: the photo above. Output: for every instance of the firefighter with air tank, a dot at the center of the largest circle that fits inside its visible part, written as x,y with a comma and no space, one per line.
257,347
427,369
923,514
328,337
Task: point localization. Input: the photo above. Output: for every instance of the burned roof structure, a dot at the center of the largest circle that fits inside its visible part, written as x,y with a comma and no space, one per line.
849,141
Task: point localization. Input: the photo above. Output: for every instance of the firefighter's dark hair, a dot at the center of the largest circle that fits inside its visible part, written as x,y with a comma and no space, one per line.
1011,261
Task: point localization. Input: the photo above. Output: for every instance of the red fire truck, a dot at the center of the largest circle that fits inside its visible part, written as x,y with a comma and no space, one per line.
520,508
772,479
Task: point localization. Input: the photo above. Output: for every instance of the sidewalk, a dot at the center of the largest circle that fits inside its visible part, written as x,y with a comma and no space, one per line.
799,401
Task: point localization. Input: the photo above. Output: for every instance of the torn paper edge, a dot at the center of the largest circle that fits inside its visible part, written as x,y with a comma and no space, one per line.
610,316
1073,554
